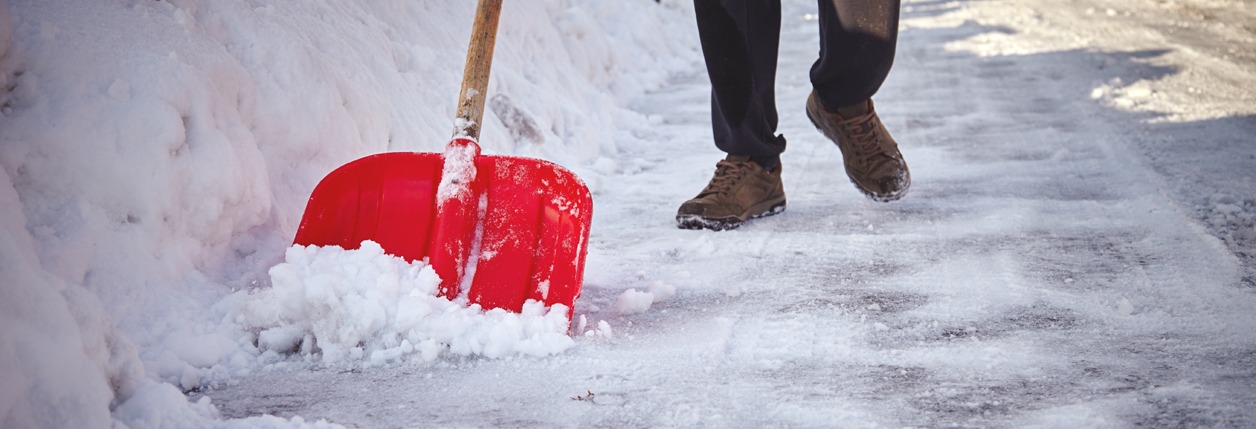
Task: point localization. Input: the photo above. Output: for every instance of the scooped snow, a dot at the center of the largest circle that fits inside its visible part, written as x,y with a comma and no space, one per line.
365,307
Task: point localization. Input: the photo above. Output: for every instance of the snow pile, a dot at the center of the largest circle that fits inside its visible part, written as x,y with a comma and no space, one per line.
160,405
63,363
158,156
56,348
338,306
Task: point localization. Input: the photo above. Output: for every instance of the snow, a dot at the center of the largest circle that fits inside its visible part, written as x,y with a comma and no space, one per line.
1078,248
633,301
457,172
333,306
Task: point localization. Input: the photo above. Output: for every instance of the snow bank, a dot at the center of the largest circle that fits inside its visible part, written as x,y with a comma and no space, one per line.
158,155
56,350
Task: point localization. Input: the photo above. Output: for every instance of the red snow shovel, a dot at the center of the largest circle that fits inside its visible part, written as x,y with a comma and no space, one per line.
501,229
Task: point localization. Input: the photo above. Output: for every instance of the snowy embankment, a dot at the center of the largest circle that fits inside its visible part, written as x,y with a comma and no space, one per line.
158,154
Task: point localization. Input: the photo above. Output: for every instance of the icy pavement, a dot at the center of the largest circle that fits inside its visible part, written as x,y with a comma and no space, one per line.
1054,264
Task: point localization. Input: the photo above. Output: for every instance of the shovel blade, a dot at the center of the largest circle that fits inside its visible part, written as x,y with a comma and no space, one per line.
520,233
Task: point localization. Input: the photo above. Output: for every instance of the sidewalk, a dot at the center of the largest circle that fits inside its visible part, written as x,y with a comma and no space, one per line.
1041,271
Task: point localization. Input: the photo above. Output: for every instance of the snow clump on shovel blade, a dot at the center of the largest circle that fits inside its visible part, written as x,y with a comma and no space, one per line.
458,171
362,306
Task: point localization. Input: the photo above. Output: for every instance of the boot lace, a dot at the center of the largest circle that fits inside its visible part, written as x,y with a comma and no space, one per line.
867,140
727,174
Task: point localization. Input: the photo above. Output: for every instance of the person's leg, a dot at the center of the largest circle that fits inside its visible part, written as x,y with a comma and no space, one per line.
857,42
740,40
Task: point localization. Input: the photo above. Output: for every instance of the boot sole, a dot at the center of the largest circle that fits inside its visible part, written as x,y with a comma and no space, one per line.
724,224
885,198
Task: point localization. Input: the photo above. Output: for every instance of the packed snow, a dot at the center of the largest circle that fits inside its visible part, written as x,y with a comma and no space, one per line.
1078,248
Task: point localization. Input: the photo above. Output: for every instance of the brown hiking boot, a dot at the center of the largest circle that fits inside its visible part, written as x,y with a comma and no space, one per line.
741,190
872,160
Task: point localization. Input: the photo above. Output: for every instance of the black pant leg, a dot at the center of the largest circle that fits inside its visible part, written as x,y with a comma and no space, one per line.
740,40
857,41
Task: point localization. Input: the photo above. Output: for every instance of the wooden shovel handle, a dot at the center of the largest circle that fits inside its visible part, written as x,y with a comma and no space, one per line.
475,74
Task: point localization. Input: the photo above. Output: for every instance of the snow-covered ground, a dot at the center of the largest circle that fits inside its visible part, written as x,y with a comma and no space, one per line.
1078,248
